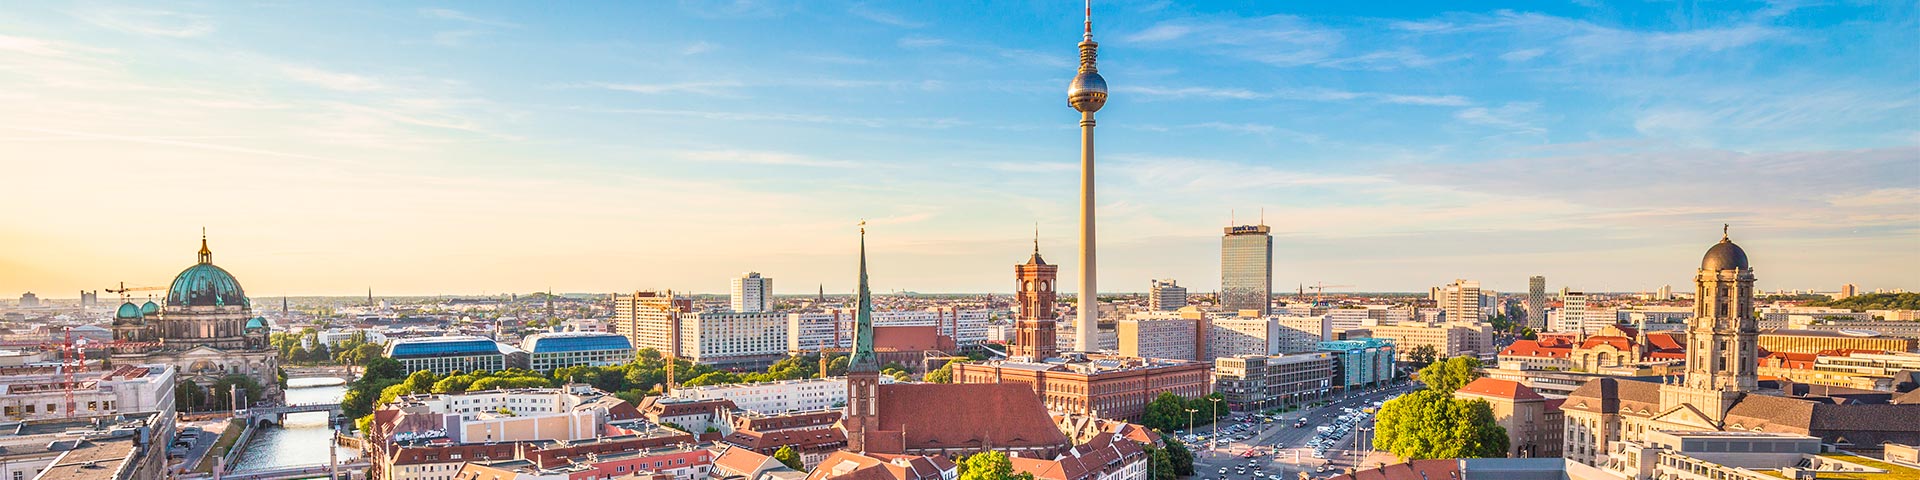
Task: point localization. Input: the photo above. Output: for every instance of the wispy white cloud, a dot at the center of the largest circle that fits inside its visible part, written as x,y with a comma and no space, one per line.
1513,117
146,21
699,47
922,42
717,88
456,15
757,157
865,11
1523,55
1300,94
331,80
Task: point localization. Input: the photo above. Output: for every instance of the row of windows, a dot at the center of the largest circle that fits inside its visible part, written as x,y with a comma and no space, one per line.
94,406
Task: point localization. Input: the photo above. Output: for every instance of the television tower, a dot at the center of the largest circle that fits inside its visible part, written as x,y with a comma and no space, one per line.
1087,94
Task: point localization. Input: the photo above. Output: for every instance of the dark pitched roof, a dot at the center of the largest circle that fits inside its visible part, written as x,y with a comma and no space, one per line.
1446,469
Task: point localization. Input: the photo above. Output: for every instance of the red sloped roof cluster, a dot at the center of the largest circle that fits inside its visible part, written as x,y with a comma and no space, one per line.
1532,348
1508,389
1103,454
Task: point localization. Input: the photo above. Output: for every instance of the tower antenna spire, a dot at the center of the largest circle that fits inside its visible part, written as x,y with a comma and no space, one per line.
1036,238
1089,34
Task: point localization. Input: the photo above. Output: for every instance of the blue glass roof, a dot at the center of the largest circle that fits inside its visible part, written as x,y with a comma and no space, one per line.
575,342
205,285
442,347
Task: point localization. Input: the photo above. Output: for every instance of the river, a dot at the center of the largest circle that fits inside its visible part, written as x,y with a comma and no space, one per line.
305,437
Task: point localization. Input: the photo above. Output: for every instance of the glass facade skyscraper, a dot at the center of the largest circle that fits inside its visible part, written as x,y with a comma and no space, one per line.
1246,268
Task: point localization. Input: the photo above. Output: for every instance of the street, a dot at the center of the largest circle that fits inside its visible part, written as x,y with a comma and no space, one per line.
1290,453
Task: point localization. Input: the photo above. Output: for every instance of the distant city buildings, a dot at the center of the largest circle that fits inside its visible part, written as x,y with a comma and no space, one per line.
1847,291
1448,339
1166,295
29,300
789,396
1114,388
1163,336
752,293
1246,268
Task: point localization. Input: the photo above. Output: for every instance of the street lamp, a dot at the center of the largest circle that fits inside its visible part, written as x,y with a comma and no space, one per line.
1213,441
1190,420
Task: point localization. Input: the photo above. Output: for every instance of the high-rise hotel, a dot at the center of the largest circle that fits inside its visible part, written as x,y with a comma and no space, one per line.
1246,268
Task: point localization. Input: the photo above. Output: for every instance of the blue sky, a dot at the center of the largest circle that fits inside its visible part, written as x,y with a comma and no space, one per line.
484,147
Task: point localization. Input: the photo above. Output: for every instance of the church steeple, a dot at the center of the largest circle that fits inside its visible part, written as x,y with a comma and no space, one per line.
862,414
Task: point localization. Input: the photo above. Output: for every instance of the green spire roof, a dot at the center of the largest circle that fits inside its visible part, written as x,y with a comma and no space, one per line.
863,359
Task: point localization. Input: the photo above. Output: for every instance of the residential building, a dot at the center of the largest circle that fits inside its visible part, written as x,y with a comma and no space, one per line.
549,351
853,465
96,447
1107,387
1815,341
1573,312
751,293
686,461
651,319
1460,299
1258,382
1664,293
1303,333
1104,457
737,340
1858,369
1533,422
1162,336
1231,336
1362,362
1909,329
832,329
448,354
575,412
1166,295
1741,455
1448,339
803,395
1542,354
811,434
1246,268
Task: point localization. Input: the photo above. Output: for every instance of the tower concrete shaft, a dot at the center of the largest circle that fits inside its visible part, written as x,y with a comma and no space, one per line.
1087,94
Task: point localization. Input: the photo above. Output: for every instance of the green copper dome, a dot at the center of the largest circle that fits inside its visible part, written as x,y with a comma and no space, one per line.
257,322
149,308
127,310
205,285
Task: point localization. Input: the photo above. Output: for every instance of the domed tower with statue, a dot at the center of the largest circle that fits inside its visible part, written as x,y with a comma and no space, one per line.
206,329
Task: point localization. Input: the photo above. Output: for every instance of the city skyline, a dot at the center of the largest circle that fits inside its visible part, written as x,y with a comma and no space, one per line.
468,151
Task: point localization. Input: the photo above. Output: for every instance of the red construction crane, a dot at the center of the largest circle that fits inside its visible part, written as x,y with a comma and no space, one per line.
73,356
1320,290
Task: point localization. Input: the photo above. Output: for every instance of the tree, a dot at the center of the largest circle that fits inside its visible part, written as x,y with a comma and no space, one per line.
1528,333
222,390
1430,424
383,367
188,397
942,375
1182,457
990,466
1166,413
1162,467
1451,374
1422,354
790,458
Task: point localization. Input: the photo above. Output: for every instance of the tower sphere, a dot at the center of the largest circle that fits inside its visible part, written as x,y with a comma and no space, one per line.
1088,92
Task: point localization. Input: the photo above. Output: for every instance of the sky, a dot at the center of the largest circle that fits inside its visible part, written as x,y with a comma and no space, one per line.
487,147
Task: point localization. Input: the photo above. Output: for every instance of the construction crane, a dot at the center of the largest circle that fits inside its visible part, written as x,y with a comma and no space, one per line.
124,289
1320,290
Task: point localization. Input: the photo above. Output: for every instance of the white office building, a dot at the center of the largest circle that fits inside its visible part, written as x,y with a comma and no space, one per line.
1460,299
812,331
752,293
734,339
1166,296
806,395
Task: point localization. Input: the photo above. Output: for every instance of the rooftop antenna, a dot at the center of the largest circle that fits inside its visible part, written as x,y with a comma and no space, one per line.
1263,216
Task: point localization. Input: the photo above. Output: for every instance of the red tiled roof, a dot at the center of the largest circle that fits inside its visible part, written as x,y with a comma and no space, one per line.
1000,415
1622,343
802,440
906,338
1446,469
1533,348
1553,404
846,465
1667,341
1497,388
741,461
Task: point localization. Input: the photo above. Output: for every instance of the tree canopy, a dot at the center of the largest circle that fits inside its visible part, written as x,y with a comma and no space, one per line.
790,458
1168,412
1451,374
1430,424
1875,301
990,466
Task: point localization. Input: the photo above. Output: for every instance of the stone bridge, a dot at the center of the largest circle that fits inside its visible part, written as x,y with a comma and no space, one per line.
348,470
277,414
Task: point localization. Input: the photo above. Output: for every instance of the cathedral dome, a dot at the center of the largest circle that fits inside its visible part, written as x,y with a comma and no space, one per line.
149,308
257,322
205,285
127,311
1724,256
